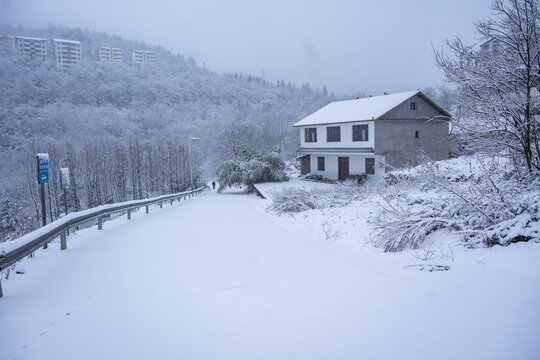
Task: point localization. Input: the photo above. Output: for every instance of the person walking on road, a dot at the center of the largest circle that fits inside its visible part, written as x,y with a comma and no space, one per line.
214,185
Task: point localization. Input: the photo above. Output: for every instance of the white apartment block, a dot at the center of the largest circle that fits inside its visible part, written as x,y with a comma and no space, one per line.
149,56
67,52
110,54
36,48
143,56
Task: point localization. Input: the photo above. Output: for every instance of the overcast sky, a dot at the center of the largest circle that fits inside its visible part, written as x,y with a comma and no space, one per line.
349,46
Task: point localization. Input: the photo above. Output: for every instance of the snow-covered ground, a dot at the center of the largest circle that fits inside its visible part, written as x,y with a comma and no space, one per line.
218,277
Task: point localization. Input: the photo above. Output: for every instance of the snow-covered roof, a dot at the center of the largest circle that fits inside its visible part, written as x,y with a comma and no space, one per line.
369,108
67,41
29,38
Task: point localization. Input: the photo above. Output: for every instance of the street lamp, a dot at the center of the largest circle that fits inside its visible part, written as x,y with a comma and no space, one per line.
191,139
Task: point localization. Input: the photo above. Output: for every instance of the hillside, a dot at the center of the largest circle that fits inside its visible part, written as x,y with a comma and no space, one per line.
100,104
121,100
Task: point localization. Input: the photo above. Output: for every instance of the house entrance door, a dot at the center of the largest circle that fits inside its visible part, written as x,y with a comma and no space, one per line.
306,164
343,168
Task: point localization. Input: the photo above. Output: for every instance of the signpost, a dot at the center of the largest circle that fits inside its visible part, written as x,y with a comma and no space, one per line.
43,177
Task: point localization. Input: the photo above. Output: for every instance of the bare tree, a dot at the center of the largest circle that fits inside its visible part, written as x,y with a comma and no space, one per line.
499,88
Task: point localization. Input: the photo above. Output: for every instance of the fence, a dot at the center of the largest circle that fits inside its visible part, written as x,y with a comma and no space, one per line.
13,251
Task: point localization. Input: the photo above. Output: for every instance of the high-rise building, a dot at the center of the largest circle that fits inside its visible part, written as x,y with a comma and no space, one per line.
143,56
110,54
36,48
67,52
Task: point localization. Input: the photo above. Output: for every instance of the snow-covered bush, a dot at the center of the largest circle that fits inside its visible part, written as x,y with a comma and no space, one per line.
294,200
486,202
251,167
487,206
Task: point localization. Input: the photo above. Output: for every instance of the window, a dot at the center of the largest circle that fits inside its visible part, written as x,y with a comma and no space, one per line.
320,163
311,135
370,166
333,134
412,105
360,133
417,134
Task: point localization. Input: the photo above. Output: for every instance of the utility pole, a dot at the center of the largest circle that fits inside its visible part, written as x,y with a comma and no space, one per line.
191,139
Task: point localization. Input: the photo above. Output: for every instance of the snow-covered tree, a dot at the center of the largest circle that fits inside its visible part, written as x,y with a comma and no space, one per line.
250,167
11,224
499,82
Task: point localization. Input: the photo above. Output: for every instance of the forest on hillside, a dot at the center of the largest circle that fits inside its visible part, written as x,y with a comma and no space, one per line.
100,110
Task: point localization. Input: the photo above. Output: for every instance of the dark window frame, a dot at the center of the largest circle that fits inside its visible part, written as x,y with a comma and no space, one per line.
308,132
417,134
358,131
372,172
412,105
320,163
332,135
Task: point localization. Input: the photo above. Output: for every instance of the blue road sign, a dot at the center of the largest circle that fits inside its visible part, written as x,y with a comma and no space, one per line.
43,168
43,175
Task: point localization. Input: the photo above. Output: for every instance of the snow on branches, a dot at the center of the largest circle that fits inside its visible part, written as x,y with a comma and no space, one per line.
499,83
486,202
249,167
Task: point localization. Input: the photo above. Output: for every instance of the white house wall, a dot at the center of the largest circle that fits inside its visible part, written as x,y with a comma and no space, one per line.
330,166
357,165
346,137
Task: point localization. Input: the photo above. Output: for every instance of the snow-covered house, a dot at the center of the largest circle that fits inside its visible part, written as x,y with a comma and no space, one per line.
371,135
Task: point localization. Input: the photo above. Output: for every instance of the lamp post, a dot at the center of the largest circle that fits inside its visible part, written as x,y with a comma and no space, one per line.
191,139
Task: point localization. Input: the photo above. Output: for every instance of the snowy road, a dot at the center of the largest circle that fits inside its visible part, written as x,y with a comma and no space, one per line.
216,277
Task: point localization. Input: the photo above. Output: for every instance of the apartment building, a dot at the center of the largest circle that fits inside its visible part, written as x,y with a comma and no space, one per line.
36,48
110,54
67,52
143,56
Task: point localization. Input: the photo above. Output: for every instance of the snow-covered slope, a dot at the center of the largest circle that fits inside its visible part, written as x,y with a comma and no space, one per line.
220,278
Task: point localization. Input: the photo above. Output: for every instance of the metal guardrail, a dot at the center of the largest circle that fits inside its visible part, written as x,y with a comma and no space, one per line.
61,226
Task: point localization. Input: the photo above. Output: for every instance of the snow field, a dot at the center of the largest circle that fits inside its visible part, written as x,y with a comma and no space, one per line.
219,277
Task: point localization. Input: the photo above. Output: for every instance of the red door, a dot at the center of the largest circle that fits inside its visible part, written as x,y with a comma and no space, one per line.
343,168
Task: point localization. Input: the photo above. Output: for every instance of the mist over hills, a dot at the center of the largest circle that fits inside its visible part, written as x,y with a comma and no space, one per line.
103,103
172,98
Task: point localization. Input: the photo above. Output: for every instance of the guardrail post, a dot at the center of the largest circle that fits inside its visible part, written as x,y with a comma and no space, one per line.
172,201
129,214
161,205
63,242
147,209
99,223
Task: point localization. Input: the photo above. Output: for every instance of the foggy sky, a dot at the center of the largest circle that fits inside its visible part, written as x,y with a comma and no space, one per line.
349,46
